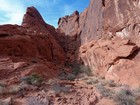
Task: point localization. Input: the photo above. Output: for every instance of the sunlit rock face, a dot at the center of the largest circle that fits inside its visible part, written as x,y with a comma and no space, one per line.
31,42
109,37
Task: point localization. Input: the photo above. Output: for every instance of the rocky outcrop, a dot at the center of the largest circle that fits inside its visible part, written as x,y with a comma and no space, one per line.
89,22
105,18
109,35
31,43
69,24
32,39
104,37
112,59
68,35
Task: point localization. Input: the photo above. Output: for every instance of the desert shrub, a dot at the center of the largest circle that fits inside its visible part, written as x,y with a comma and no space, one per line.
111,83
86,70
101,77
3,90
77,69
136,92
125,97
33,79
67,76
71,77
92,81
62,75
34,101
105,92
14,89
2,85
103,82
57,88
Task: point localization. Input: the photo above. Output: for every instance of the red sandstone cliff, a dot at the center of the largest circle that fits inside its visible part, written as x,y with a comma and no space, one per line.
31,41
109,37
104,37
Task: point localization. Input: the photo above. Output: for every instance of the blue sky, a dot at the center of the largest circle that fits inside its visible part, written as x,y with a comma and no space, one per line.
12,11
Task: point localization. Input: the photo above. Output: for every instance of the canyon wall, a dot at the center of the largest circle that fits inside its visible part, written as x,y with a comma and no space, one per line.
109,38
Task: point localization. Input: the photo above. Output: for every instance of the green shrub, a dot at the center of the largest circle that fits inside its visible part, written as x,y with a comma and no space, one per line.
71,77
77,69
33,79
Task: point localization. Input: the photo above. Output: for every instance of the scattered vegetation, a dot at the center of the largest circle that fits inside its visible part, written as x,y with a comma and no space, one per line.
77,69
92,81
57,88
125,97
33,79
71,77
105,92
35,101
15,89
111,83
3,89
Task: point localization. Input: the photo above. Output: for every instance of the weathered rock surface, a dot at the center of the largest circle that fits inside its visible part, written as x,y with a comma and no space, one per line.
98,28
105,18
68,35
29,48
111,59
104,37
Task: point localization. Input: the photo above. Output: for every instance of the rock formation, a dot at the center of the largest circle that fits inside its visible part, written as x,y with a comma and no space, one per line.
104,37
31,41
109,38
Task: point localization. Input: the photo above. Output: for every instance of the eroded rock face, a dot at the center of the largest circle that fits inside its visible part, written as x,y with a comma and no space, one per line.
105,18
89,22
34,39
117,19
69,24
68,35
112,59
109,35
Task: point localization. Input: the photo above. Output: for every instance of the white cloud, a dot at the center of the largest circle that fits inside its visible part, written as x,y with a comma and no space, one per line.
11,11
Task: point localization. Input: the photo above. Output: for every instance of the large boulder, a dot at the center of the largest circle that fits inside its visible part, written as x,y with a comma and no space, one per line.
113,59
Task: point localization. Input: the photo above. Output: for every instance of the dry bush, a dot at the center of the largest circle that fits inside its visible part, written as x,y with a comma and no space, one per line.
125,97
34,101
33,79
105,92
57,88
92,81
